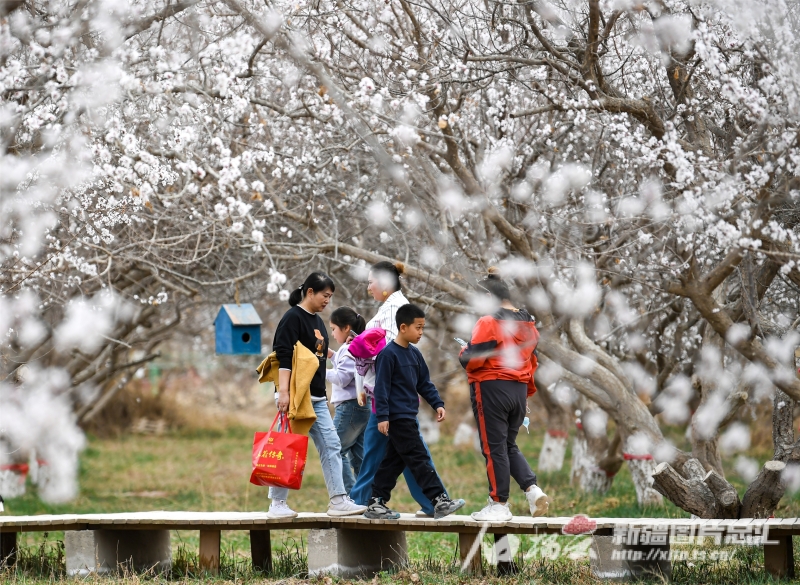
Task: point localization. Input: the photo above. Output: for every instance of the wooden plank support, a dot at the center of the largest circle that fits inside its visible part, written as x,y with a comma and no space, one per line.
261,550
209,551
779,557
8,549
505,560
466,542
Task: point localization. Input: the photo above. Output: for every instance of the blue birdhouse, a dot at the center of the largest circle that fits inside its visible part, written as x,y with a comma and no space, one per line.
238,330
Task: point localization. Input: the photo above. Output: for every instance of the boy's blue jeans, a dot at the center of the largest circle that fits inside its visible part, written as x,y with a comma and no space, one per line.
350,420
323,433
374,449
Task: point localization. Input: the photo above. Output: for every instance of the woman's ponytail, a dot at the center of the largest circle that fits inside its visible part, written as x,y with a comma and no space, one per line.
296,296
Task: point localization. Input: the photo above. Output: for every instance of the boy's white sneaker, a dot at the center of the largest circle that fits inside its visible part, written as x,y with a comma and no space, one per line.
538,501
279,509
345,507
493,512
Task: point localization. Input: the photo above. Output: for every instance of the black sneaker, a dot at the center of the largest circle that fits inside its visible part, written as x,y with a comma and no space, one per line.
378,510
444,506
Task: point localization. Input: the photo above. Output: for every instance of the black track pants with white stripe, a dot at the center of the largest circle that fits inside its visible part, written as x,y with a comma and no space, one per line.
499,407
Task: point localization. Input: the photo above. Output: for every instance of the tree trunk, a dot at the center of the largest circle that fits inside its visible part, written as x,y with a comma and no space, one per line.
12,483
586,472
642,468
782,426
594,462
428,427
690,494
763,495
554,446
554,449
704,439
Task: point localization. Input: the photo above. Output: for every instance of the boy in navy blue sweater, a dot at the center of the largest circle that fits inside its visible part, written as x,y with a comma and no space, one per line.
401,377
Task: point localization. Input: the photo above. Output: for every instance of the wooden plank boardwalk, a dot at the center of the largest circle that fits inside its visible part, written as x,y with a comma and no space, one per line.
775,532
167,520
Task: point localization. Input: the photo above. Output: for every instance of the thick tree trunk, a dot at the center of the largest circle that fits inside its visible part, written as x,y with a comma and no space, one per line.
705,494
554,446
554,449
12,484
763,495
428,428
586,473
704,438
690,494
782,426
642,467
595,462
766,491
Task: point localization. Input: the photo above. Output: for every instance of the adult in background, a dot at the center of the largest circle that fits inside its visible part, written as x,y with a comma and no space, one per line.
384,286
302,323
500,363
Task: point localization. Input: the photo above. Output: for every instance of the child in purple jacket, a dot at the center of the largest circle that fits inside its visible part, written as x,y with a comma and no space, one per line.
350,418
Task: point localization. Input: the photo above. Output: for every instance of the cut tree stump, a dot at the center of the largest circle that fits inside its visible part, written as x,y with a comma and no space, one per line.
763,495
693,469
728,503
690,494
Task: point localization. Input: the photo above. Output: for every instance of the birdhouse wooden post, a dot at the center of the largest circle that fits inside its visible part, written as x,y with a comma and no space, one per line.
238,330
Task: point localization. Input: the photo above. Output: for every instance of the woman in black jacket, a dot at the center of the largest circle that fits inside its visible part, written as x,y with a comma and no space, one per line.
302,323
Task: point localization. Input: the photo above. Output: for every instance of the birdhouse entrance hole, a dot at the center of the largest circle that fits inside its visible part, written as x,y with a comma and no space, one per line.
246,337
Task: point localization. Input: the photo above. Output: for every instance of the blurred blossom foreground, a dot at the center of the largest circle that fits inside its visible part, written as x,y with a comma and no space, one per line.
630,167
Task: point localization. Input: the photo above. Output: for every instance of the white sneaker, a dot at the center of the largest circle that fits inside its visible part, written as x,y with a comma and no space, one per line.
422,514
279,509
538,501
346,507
493,512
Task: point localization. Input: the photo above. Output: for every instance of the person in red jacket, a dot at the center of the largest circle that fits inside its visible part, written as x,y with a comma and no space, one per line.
500,361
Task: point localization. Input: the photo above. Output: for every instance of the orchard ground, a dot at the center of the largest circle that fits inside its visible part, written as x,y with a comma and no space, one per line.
208,469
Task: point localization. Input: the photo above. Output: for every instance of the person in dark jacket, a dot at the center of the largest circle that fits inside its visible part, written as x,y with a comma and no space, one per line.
385,286
500,361
401,377
302,323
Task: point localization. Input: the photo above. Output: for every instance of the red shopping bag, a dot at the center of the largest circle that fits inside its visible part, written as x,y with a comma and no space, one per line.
279,458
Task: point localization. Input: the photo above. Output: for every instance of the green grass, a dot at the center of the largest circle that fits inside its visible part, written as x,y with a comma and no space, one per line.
209,470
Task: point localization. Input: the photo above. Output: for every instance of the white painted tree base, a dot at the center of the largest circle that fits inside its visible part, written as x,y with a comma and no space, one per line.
586,474
642,474
12,484
467,435
428,428
552,455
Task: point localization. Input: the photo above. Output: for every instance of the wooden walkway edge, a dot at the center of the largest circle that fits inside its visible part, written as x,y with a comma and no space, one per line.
776,533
